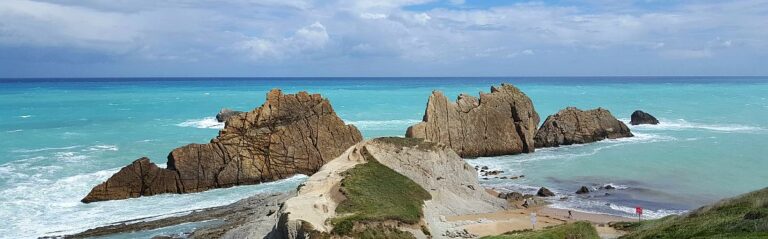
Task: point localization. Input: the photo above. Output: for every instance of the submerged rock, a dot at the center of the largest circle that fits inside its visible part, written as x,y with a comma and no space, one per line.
639,117
287,135
574,126
225,114
499,123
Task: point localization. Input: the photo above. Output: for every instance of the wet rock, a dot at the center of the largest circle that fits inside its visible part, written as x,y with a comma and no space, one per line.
583,190
499,123
225,114
609,187
574,126
511,196
544,192
639,117
289,134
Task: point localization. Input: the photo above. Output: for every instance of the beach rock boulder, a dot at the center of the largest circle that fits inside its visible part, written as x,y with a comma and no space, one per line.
225,114
289,134
639,117
498,123
574,126
544,192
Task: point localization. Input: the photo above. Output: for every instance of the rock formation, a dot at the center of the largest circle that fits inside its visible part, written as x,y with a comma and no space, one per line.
287,135
451,182
582,190
639,117
574,126
544,192
225,114
499,123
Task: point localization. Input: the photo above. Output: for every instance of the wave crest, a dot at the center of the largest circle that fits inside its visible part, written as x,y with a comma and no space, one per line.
204,123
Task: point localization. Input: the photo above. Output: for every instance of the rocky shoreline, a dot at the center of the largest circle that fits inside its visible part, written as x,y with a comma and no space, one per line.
301,134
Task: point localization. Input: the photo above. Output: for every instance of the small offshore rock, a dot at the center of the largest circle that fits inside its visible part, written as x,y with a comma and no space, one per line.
583,190
639,117
544,192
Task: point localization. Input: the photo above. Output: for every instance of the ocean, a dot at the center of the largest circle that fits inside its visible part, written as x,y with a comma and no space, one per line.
61,137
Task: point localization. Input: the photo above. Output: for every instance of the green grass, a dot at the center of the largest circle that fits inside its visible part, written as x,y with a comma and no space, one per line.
376,193
408,142
576,230
745,216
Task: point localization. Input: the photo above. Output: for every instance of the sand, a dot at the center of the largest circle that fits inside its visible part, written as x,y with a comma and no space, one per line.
487,224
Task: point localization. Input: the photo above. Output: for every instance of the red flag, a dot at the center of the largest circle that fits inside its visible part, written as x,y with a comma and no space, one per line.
639,210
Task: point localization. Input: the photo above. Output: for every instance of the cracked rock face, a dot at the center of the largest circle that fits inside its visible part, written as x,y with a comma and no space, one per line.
499,123
289,134
574,126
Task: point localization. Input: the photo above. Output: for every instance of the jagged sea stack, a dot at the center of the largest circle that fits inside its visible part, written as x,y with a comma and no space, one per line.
574,126
289,134
499,123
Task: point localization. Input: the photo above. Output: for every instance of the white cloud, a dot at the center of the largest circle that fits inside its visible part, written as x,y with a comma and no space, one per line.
308,31
305,40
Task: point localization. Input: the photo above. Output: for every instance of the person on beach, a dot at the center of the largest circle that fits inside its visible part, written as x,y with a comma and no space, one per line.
570,215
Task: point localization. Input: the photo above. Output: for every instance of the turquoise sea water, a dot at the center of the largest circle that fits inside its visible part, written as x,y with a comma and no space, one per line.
60,137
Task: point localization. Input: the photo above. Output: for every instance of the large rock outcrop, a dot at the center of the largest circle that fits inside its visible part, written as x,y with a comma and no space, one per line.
574,126
499,123
451,182
287,135
639,117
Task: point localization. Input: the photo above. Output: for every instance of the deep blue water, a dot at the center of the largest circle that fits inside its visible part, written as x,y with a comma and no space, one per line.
60,137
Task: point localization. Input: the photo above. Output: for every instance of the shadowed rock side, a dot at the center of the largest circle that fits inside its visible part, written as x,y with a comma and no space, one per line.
499,123
639,117
287,135
574,126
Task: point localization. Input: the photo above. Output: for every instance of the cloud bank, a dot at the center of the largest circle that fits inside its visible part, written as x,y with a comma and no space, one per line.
71,38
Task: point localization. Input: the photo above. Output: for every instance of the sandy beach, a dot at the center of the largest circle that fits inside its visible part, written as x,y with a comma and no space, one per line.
487,224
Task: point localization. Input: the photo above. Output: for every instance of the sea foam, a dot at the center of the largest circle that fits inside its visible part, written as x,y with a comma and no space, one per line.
204,123
682,124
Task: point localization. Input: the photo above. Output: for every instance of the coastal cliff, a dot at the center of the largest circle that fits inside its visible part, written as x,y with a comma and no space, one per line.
499,123
289,134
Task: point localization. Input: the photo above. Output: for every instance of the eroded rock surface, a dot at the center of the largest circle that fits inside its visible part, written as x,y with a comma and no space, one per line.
289,134
574,126
499,123
451,182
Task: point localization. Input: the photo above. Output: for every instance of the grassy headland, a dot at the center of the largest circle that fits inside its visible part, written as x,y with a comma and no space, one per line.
744,216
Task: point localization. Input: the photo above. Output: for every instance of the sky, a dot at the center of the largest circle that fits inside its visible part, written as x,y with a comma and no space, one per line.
349,38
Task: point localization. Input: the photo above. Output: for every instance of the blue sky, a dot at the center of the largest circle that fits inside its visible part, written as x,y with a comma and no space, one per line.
134,38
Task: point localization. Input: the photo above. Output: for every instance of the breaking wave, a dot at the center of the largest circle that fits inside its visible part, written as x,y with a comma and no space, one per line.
682,124
204,123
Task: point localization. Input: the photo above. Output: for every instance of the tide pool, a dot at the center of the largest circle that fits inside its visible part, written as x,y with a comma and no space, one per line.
61,137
